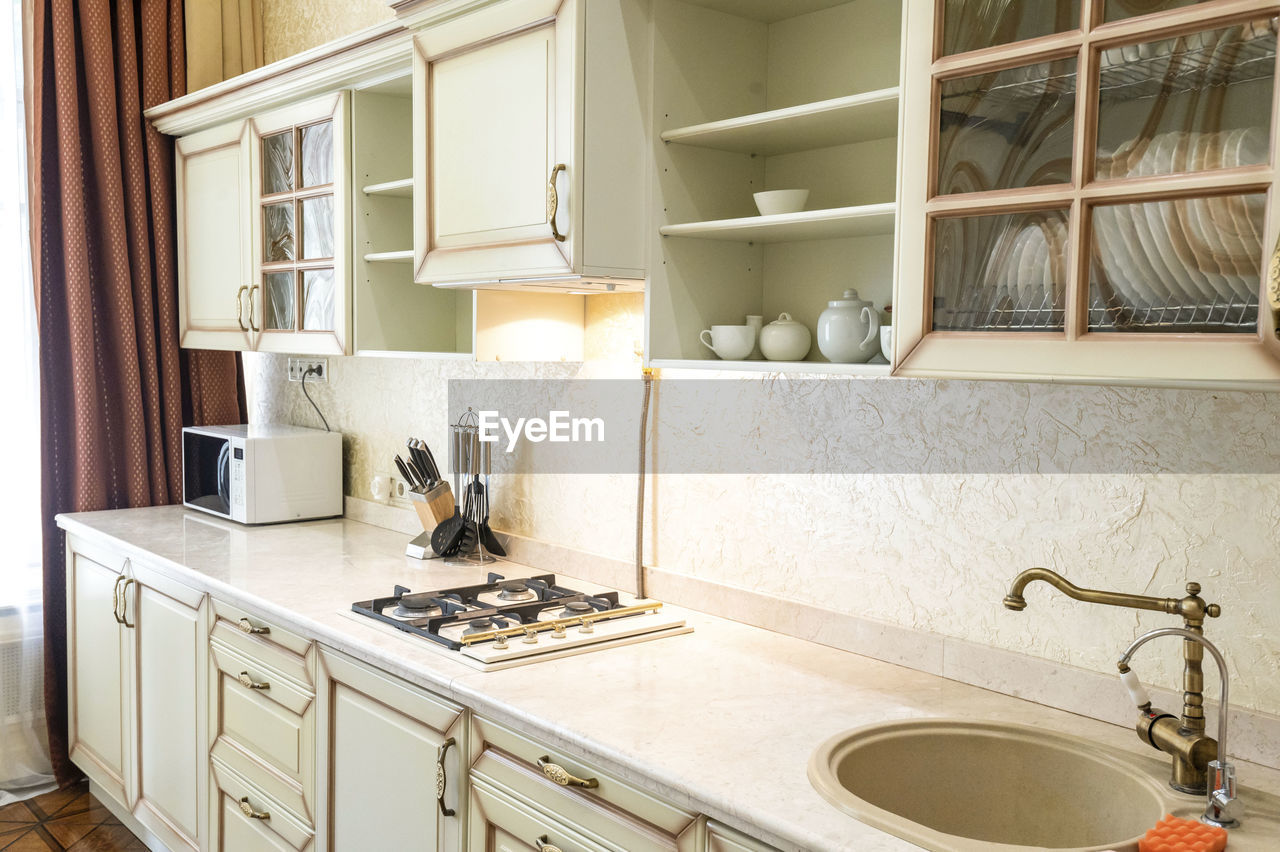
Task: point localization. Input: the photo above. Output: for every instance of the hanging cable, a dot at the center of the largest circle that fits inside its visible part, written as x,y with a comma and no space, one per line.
312,371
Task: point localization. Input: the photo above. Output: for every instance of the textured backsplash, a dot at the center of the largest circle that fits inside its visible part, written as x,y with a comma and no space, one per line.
928,551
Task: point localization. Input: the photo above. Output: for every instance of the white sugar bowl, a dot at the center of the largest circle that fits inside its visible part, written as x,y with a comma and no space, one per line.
784,339
849,330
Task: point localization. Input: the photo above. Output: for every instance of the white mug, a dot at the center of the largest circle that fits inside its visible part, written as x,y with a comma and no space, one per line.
729,342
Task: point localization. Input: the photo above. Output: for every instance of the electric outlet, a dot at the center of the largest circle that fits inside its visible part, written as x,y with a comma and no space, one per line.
399,491
298,366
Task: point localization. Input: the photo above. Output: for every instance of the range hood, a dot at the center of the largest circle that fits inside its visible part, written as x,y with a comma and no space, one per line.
571,284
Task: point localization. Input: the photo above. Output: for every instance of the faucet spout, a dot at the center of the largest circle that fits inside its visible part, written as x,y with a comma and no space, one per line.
1015,601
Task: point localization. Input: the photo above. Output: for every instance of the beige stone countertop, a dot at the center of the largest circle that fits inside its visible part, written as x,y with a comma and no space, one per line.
721,721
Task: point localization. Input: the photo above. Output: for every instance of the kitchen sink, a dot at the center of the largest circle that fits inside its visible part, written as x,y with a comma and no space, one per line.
964,786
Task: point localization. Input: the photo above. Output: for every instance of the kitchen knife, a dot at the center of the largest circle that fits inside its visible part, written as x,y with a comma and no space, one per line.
431,460
424,464
416,464
408,474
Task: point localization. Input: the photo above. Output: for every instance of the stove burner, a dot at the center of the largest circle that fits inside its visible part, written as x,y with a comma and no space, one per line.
479,625
408,610
576,608
517,591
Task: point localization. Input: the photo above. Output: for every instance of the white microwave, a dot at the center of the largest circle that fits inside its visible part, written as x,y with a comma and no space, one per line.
262,474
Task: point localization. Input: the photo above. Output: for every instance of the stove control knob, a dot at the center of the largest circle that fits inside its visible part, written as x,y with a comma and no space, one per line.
500,642
557,632
586,626
530,636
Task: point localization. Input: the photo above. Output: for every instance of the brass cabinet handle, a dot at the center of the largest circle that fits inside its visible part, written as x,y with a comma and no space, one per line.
442,778
246,627
553,201
124,602
115,599
240,307
1273,288
544,844
252,327
247,810
559,775
245,680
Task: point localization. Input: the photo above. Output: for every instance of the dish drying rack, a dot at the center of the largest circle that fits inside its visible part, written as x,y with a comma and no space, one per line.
980,312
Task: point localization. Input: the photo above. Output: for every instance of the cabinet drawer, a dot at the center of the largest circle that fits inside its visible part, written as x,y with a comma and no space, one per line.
236,831
278,648
501,823
594,822
525,752
723,839
266,735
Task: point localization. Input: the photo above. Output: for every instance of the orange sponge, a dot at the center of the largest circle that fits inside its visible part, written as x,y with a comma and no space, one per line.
1172,834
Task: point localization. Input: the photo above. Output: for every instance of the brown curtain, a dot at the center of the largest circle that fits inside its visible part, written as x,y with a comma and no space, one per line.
115,388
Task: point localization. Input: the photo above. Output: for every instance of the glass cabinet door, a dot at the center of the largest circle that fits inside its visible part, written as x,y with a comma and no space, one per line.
302,251
1088,181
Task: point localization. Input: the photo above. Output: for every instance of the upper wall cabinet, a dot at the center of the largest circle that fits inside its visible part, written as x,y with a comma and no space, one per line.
525,175
1097,193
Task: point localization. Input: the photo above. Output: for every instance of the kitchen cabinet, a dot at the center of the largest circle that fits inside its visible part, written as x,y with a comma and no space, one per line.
721,838
524,175
1096,200
525,794
392,775
136,691
751,97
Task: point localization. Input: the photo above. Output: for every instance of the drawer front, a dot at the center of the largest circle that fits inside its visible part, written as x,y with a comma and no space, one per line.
281,650
723,839
276,830
502,823
627,798
592,822
266,735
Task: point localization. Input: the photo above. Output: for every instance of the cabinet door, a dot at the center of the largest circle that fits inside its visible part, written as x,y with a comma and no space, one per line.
300,222
99,674
169,637
493,150
214,271
385,741
1098,193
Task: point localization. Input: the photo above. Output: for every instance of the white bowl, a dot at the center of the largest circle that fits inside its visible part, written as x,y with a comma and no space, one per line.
777,201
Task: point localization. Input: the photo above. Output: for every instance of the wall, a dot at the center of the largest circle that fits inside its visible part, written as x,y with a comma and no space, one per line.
292,26
932,552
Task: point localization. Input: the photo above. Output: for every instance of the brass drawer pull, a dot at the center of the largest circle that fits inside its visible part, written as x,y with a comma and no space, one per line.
558,774
247,810
246,627
124,602
553,201
544,845
252,327
240,307
442,778
251,683
115,600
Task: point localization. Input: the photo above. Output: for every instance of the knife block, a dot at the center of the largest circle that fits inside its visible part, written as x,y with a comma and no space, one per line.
433,507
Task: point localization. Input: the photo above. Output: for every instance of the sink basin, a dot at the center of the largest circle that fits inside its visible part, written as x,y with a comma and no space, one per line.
964,786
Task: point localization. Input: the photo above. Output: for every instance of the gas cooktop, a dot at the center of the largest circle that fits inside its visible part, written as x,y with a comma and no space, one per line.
512,621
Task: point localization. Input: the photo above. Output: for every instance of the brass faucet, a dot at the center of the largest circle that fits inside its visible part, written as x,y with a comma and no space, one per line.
1182,738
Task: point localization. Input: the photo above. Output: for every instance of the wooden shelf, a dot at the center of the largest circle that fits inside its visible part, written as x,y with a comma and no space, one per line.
839,121
397,188
877,368
862,221
405,256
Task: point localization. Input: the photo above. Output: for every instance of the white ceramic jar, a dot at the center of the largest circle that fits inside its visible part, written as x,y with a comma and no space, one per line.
849,330
784,339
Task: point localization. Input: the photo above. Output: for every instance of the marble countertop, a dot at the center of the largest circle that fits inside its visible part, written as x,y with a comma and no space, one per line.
721,721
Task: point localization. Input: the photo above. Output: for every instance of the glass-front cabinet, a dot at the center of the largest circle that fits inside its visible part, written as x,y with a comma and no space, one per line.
1095,192
297,301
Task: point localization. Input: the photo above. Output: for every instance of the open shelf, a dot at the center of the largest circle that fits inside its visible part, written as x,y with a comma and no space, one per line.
405,256
863,221
396,188
839,121
877,368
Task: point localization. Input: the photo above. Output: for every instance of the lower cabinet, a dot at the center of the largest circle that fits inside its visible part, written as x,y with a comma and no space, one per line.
391,765
137,691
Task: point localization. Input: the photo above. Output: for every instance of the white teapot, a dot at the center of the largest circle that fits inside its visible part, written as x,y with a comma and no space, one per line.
849,330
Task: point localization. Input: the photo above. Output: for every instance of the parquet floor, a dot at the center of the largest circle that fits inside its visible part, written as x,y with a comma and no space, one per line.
67,820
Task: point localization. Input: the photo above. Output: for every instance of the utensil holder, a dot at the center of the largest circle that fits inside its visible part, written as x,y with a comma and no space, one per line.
433,508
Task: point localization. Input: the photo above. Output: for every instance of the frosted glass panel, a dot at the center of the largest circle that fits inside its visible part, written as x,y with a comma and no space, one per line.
277,163
1117,9
278,311
1193,103
1006,272
317,227
1191,265
277,231
1007,129
317,294
975,24
317,154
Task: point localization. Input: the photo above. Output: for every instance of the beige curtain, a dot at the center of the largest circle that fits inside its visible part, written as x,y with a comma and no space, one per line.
224,38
